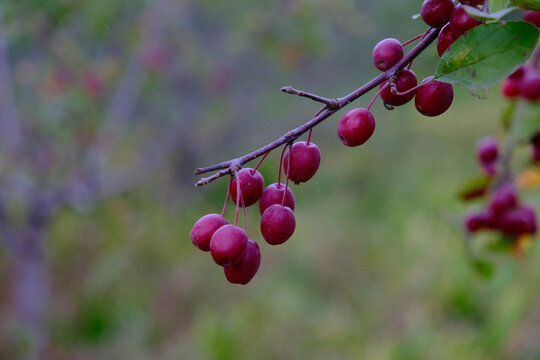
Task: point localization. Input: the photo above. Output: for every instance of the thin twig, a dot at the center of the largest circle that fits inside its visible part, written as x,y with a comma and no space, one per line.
330,103
341,102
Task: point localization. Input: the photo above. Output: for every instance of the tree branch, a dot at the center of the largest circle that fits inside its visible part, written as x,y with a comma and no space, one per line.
326,112
10,127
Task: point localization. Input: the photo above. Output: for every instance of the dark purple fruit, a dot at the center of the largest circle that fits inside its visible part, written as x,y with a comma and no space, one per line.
277,224
387,53
247,267
228,245
434,98
251,186
305,161
356,127
405,80
204,228
273,194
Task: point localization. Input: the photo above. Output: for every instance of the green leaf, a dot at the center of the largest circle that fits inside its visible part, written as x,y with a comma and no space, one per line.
526,4
487,53
481,94
475,187
528,121
480,15
496,5
483,268
416,16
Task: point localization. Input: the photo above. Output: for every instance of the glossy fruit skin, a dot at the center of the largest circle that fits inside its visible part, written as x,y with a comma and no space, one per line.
504,199
251,185
511,87
460,21
530,86
475,222
436,13
405,80
277,224
533,17
447,36
356,127
535,156
228,244
387,53
247,266
434,98
519,221
487,150
472,2
204,228
305,161
273,194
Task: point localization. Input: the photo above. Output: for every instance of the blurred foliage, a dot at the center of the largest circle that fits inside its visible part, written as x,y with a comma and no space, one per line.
375,269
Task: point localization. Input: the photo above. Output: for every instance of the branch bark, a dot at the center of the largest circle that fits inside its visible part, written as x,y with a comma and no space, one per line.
10,127
326,112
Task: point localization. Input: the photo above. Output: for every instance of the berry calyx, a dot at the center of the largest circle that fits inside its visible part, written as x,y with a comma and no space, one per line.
533,17
228,244
204,228
305,160
436,13
460,21
434,98
387,53
487,150
356,127
273,194
251,186
277,224
447,36
405,80
247,266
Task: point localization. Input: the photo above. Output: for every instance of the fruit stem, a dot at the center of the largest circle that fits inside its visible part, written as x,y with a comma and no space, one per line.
309,136
260,162
281,164
227,198
413,39
287,176
374,98
238,193
394,89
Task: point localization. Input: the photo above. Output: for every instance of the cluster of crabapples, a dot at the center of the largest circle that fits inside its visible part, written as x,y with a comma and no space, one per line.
229,244
504,213
240,257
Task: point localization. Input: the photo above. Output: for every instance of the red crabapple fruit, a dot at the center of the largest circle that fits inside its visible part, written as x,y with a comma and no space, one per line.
273,194
251,186
434,98
356,127
277,224
436,13
387,53
405,80
204,228
305,161
228,244
247,266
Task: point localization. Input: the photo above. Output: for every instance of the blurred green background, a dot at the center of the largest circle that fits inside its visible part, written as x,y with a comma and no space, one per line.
376,268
